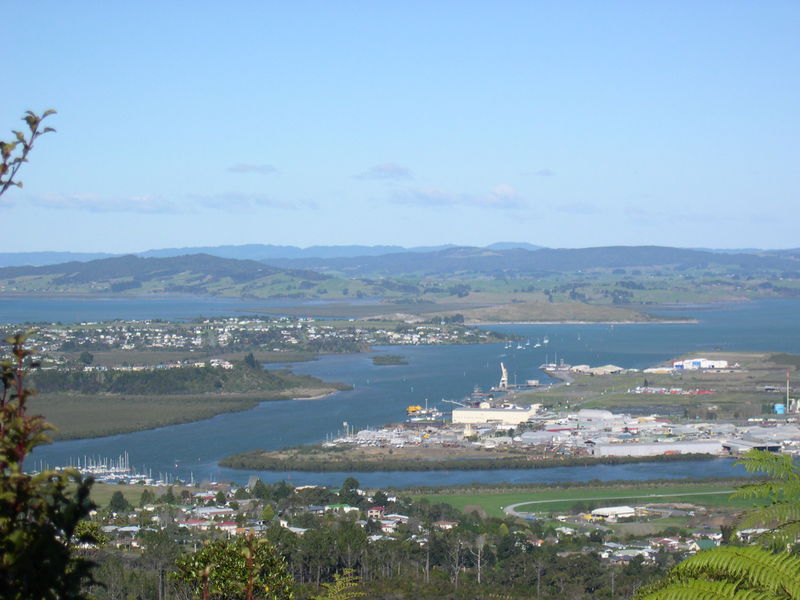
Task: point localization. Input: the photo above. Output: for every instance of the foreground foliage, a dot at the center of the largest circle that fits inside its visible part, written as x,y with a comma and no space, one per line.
766,570
244,567
38,514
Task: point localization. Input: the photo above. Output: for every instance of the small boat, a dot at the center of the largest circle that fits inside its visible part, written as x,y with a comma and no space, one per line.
417,414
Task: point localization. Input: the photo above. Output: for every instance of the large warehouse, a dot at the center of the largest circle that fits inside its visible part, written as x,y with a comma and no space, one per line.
656,448
508,414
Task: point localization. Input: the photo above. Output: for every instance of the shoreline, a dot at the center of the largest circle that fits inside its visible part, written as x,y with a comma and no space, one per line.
568,322
313,398
255,461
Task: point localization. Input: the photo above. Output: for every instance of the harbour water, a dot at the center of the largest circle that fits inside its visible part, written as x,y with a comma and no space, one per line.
381,394
79,309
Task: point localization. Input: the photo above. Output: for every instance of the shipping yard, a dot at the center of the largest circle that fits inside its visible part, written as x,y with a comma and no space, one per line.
518,426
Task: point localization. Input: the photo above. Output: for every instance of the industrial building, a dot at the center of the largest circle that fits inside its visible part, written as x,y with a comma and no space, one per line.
507,414
694,364
656,448
613,513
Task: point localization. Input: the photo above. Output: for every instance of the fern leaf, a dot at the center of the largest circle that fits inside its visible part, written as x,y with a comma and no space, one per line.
782,521
752,566
777,466
770,491
780,537
699,589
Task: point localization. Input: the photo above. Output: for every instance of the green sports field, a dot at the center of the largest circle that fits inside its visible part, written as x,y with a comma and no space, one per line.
562,499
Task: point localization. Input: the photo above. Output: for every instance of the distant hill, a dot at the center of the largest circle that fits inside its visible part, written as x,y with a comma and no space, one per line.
147,268
522,262
37,259
268,251
791,252
240,252
315,256
512,246
392,275
195,273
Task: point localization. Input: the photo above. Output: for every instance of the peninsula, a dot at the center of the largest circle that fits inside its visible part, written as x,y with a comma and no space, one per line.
691,406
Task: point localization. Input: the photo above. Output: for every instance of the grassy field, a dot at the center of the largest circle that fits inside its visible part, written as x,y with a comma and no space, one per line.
102,492
562,499
83,416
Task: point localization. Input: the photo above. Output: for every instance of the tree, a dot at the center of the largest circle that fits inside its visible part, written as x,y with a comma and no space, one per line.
764,570
242,568
260,490
380,498
350,484
90,532
39,514
86,357
160,553
344,587
147,497
477,549
251,362
267,513
118,503
349,492
168,497
15,153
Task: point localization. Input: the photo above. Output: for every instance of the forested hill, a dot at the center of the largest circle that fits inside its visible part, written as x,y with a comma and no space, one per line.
186,380
519,261
194,273
148,268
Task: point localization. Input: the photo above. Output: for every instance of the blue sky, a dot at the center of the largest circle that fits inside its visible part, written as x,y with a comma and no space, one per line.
565,124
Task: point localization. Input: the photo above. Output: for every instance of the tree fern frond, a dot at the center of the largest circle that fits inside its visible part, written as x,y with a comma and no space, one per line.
769,491
777,466
780,537
775,517
702,589
751,566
